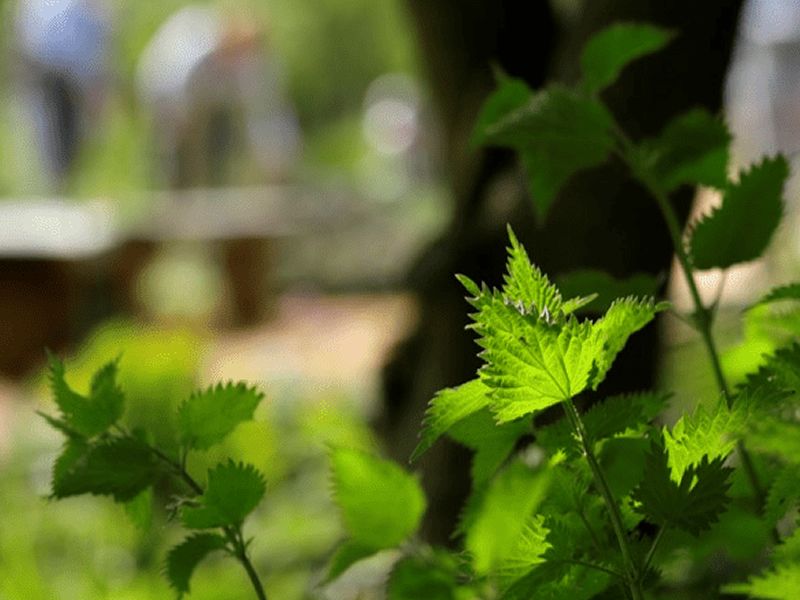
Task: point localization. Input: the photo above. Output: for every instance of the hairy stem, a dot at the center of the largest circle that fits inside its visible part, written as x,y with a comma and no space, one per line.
703,317
631,570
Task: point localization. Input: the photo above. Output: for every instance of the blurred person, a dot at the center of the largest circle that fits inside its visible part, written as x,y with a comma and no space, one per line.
215,93
62,47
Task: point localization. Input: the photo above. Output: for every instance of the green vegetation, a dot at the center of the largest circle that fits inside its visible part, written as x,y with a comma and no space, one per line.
569,499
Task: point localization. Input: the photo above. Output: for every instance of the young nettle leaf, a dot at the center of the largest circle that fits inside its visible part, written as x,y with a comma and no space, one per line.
184,558
447,408
511,499
779,375
415,577
86,415
606,288
560,581
692,149
557,133
785,292
780,583
140,509
784,493
528,551
510,95
347,554
711,430
233,491
208,416
381,504
694,503
607,53
741,228
119,467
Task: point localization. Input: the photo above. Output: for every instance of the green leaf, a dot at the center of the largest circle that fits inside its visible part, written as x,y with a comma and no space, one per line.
606,287
625,317
527,551
557,134
785,292
184,558
447,408
381,504
491,442
783,493
779,373
692,504
525,285
510,95
120,467
742,227
413,578
607,53
511,498
233,491
559,582
347,554
604,419
211,414
140,509
92,415
692,149
710,431
780,583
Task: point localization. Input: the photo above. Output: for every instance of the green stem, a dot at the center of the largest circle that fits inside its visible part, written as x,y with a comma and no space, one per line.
652,551
631,571
233,534
703,316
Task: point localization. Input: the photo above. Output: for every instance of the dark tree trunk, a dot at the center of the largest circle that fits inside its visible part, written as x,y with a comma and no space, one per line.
601,219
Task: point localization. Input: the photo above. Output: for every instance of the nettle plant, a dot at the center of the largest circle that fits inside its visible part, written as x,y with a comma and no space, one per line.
601,503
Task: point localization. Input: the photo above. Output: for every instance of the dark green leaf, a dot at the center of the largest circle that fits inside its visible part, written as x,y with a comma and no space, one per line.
233,491
510,95
557,134
184,558
381,504
607,288
692,149
210,415
92,415
783,494
607,53
413,578
692,504
742,227
120,467
784,292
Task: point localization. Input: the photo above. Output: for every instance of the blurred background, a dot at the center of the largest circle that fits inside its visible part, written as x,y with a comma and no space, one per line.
281,192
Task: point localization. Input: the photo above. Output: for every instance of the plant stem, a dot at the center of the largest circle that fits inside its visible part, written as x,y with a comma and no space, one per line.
631,571
652,551
703,316
234,534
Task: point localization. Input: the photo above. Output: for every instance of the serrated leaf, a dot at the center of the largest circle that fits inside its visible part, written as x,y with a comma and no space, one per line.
608,52
779,373
347,554
413,578
184,558
692,504
525,284
610,333
790,291
492,442
447,408
692,149
711,431
559,582
511,498
208,416
783,493
233,491
381,504
606,287
510,95
740,229
780,583
140,509
527,551
605,419
87,415
557,134
120,467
